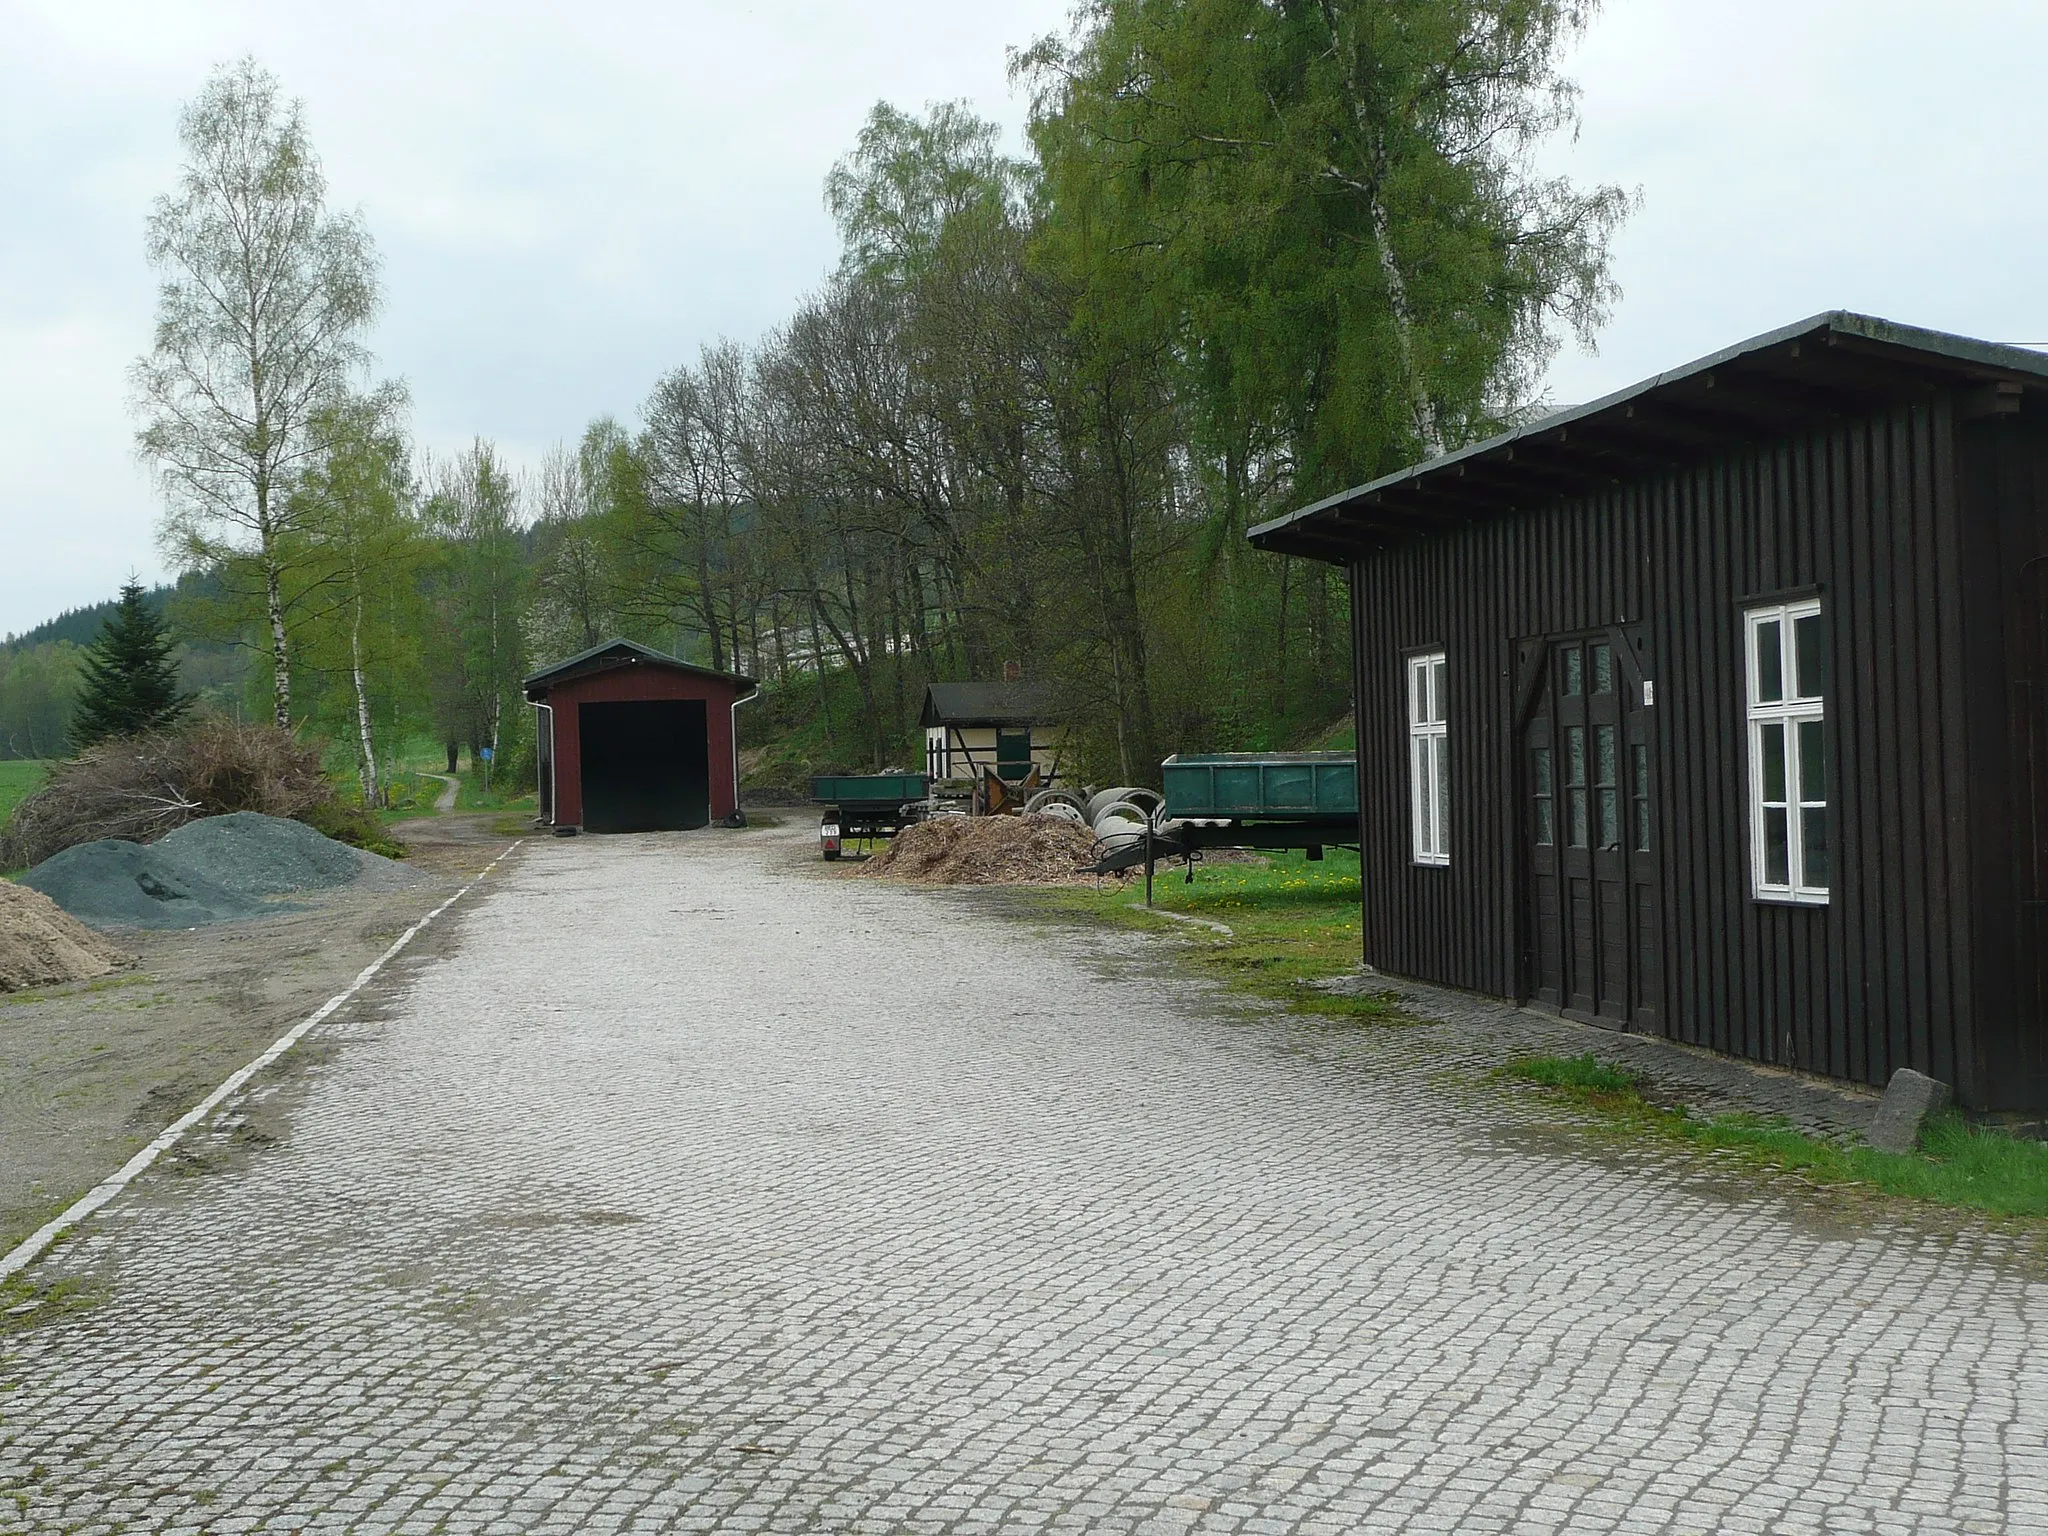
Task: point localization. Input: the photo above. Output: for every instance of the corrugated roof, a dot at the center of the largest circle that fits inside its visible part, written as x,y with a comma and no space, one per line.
621,653
986,703
1832,365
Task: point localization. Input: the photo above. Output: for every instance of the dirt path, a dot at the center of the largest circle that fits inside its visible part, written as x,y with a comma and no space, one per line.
445,801
682,1189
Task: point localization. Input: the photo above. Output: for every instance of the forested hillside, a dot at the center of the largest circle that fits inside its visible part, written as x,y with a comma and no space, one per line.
1251,253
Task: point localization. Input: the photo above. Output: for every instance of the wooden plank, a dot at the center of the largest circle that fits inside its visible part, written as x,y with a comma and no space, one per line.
1898,672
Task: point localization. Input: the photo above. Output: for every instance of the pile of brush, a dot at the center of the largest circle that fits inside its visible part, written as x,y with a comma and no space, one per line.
136,788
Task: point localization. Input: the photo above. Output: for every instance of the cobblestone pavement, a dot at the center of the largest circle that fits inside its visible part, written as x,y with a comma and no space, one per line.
1706,1083
685,1190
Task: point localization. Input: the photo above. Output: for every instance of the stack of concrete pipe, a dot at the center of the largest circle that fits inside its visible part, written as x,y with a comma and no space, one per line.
1118,817
1060,803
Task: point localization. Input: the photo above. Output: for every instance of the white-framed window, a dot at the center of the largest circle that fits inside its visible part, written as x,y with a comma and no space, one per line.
1428,760
1791,834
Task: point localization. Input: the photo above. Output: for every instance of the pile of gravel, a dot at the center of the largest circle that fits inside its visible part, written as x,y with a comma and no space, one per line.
112,884
220,869
256,855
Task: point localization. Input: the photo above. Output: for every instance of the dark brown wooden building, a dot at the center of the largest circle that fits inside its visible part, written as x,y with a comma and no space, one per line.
1718,708
630,740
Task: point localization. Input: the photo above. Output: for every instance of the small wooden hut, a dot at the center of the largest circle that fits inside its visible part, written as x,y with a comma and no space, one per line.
1008,728
1718,708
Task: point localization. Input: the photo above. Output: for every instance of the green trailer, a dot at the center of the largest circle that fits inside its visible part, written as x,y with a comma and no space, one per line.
1271,800
860,807
1262,786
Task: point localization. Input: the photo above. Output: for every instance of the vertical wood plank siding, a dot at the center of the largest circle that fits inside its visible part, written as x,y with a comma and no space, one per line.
1865,510
2004,575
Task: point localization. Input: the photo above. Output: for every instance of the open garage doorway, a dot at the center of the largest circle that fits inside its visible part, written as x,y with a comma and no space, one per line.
646,765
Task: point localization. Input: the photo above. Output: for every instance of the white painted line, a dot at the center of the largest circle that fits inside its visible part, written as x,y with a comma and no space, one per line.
25,1252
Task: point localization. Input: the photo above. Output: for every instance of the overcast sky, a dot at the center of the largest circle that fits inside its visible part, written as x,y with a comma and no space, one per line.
570,199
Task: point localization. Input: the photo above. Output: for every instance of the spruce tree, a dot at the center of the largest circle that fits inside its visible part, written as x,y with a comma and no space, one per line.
131,683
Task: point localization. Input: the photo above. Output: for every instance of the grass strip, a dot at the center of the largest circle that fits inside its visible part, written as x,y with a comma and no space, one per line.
1958,1164
1292,922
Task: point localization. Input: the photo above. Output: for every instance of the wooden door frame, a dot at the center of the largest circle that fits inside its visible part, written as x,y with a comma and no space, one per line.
1533,691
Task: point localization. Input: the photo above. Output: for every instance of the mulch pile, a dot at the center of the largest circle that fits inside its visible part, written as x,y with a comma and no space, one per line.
985,850
41,945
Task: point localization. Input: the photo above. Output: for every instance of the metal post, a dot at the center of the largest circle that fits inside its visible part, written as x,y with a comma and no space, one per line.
1148,861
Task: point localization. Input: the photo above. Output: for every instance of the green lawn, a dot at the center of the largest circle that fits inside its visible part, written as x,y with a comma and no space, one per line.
514,796
18,780
409,794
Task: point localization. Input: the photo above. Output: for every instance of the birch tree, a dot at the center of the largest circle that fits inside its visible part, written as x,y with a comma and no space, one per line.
352,508
261,309
1334,208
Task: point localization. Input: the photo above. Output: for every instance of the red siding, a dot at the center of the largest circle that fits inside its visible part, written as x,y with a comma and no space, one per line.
627,684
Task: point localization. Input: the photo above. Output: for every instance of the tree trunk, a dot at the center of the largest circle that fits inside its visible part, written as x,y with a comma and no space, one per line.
707,603
367,761
497,724
1427,427
280,661
1426,423
818,664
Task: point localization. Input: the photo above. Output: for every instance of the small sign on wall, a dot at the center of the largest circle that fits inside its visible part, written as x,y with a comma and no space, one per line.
1649,694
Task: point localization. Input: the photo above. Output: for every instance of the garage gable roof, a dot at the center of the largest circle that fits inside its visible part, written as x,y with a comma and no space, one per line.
620,653
1831,366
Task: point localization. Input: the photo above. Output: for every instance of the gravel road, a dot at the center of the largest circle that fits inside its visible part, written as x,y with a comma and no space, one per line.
680,1187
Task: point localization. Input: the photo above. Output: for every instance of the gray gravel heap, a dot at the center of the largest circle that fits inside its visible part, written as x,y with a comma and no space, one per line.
256,855
216,870
112,884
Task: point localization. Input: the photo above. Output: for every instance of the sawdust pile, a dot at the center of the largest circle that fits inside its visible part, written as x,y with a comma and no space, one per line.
41,944
985,850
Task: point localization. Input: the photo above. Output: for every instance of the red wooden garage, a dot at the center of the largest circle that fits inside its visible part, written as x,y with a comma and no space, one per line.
630,740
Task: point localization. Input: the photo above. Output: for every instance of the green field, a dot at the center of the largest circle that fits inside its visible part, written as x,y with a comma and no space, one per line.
513,795
17,781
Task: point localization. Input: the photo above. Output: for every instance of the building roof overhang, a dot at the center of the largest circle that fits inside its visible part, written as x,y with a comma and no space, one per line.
613,654
1830,367
986,704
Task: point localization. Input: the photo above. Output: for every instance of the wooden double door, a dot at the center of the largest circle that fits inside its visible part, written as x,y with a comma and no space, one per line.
1588,835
